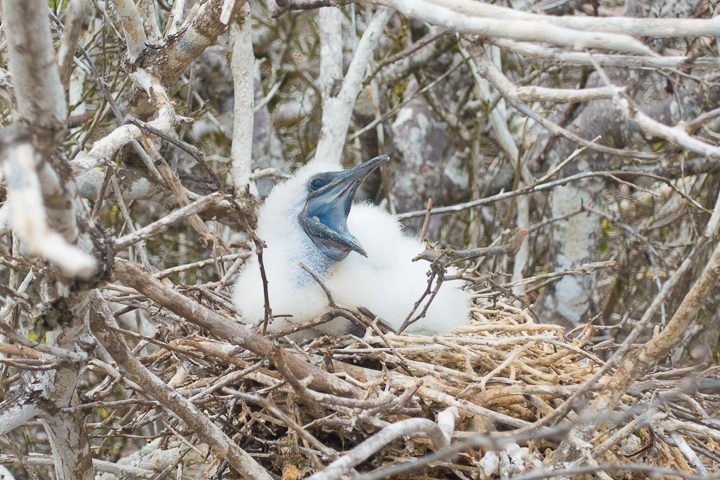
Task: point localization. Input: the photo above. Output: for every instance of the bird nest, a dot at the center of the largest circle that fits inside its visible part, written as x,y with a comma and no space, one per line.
494,399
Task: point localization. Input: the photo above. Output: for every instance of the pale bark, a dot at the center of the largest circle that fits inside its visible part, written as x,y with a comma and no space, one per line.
151,25
331,55
440,434
104,148
194,35
243,70
221,444
71,449
575,242
41,106
31,62
18,410
132,24
519,30
28,217
338,106
563,57
72,27
176,17
638,27
224,327
113,469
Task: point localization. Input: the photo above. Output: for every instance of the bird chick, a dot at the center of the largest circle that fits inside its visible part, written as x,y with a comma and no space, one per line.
359,252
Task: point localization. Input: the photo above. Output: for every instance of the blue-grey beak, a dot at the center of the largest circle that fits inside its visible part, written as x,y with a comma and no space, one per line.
328,204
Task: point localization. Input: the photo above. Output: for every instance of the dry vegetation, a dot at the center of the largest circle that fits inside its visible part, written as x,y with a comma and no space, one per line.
571,154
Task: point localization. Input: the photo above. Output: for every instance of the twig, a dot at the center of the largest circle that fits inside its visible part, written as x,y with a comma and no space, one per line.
538,187
170,399
426,221
74,13
439,433
132,24
223,327
449,256
318,398
164,223
522,30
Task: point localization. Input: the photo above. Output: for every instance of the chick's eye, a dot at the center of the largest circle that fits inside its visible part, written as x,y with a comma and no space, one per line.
317,183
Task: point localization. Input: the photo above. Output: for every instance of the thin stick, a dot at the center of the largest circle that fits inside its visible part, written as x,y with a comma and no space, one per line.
426,222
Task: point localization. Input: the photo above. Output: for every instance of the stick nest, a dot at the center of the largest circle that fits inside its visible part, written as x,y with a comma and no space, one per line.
499,377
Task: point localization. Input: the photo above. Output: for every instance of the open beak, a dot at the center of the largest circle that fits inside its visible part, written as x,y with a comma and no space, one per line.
324,217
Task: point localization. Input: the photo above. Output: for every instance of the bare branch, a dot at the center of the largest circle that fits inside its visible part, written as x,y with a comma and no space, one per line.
176,17
132,25
28,215
531,94
74,14
163,224
448,256
99,465
196,33
151,25
243,69
31,62
331,56
637,27
224,327
223,446
104,148
534,187
226,12
562,57
285,5
676,135
661,344
71,448
337,109
439,433
519,30
17,410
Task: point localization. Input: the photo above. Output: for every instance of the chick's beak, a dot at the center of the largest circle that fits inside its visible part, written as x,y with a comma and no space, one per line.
324,217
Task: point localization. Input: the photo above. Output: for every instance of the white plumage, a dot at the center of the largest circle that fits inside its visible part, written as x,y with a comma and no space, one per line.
386,281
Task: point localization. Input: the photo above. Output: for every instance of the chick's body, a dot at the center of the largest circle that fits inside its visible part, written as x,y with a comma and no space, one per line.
386,281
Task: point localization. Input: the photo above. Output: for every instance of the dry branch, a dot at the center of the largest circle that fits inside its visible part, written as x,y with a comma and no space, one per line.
243,69
519,30
637,27
166,119
563,57
28,215
223,327
169,398
72,27
193,36
656,349
674,134
31,63
439,433
166,222
132,24
338,108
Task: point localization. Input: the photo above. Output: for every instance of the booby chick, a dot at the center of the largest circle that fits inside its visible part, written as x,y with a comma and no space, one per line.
361,255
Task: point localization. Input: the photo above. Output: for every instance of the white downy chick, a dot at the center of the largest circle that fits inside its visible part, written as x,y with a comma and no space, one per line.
361,255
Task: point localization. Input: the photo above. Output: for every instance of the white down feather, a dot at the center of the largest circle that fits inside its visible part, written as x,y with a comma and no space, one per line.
387,281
